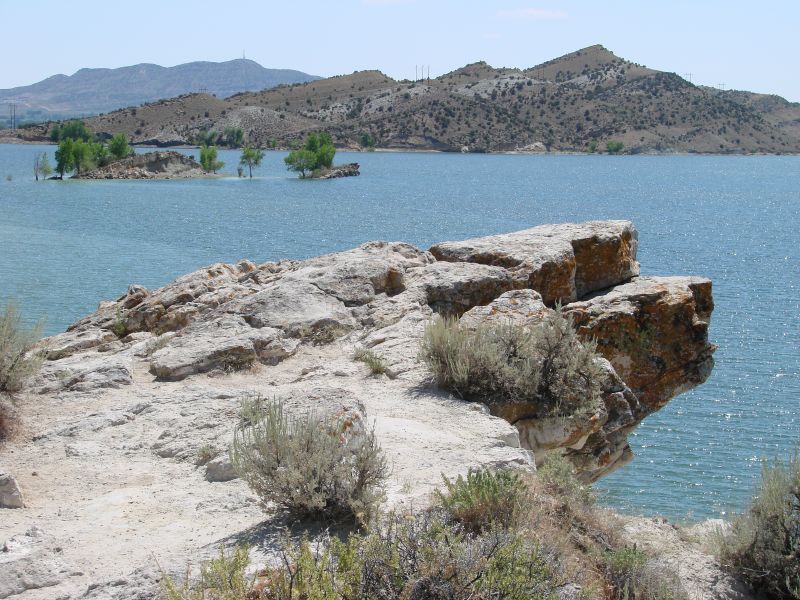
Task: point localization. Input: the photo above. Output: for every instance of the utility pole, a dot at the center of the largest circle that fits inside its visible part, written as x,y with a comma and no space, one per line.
688,76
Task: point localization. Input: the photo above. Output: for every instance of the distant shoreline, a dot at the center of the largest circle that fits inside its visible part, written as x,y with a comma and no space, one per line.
12,141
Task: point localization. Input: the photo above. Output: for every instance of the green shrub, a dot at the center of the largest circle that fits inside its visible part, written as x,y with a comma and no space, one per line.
370,358
120,324
763,545
484,499
206,453
614,146
307,465
17,361
415,557
545,364
633,576
557,472
221,578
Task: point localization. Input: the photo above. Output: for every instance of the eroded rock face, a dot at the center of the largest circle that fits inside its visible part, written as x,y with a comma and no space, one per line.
654,331
561,262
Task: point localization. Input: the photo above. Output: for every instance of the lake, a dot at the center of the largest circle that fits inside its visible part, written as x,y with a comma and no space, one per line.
67,245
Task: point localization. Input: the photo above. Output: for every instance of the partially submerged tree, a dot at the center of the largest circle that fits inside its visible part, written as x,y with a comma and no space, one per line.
41,166
208,159
317,153
301,161
251,157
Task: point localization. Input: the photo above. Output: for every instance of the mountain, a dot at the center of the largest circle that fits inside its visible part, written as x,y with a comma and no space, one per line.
566,104
94,91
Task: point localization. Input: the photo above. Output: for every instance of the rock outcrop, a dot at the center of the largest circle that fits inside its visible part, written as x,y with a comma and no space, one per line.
132,394
152,165
348,170
653,331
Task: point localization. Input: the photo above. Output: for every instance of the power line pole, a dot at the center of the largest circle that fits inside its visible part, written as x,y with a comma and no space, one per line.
688,76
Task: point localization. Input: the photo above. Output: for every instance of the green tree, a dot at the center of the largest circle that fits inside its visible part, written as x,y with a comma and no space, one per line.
367,140
65,160
251,157
207,138
41,166
82,156
234,137
592,145
301,161
208,159
118,146
100,155
614,146
74,130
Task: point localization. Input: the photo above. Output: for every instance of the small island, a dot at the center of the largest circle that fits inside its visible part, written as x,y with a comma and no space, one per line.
153,165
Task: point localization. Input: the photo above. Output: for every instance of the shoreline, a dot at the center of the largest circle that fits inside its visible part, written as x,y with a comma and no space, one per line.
21,142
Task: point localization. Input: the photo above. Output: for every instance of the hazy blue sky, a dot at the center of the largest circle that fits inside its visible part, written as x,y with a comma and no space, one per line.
746,45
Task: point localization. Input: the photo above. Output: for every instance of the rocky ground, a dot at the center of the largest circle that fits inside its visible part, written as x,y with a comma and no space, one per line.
122,459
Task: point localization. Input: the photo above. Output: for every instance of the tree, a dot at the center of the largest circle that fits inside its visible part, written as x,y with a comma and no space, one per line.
367,140
65,160
41,166
301,161
318,145
207,138
82,155
118,146
251,157
208,159
73,130
234,137
614,146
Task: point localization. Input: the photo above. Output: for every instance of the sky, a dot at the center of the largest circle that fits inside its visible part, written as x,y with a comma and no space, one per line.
742,45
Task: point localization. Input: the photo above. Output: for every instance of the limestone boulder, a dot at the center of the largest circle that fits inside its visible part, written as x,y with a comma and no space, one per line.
561,262
454,288
85,372
10,493
227,343
654,331
296,307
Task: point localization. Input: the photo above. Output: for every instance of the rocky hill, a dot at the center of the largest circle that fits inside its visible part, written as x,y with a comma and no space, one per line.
567,104
132,397
94,91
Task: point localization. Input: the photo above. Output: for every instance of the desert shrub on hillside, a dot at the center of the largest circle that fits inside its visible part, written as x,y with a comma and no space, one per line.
306,464
483,499
763,544
558,474
372,359
635,576
545,364
411,556
17,362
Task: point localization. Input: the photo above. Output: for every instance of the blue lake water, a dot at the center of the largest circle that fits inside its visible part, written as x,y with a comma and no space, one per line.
66,245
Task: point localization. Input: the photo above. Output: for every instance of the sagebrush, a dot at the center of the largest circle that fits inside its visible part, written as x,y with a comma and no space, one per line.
545,363
418,556
635,576
483,499
18,362
306,464
559,473
763,544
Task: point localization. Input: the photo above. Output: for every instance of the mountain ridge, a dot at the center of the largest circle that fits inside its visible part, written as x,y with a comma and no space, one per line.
574,103
91,90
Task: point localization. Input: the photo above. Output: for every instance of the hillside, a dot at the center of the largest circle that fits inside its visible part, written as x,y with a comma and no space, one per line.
94,91
562,105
